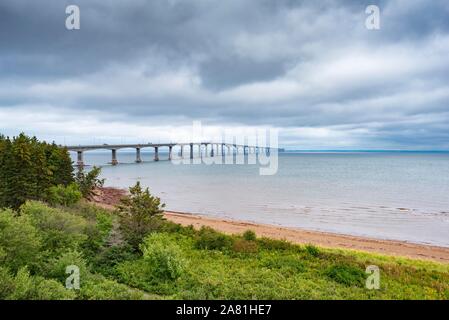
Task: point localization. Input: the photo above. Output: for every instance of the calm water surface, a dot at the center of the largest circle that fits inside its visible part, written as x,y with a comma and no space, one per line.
402,196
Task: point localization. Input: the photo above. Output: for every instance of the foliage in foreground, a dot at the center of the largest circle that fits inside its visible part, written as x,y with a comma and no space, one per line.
140,213
89,181
38,242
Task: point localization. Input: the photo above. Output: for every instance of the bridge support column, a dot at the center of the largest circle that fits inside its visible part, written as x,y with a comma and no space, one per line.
138,158
170,148
156,153
182,151
211,150
114,157
191,151
80,161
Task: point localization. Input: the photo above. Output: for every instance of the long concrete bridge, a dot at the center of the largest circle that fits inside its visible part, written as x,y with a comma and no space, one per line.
215,149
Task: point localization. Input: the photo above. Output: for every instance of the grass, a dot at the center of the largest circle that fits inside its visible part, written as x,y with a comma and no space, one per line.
183,263
278,270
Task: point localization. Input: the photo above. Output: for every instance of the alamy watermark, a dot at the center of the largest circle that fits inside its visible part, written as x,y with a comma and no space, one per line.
373,280
372,22
73,280
255,147
73,20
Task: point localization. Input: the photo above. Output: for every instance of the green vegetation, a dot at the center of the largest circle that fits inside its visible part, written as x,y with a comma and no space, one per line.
140,213
28,168
38,242
88,182
133,253
64,195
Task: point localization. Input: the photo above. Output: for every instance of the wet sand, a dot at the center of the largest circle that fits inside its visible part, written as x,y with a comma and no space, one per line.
107,197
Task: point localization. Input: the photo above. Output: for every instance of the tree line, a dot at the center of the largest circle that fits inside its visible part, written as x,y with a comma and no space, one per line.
29,169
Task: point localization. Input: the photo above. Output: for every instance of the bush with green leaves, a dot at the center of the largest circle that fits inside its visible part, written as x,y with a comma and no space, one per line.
348,275
245,246
139,214
107,258
97,287
89,182
208,238
64,195
59,230
20,242
163,256
249,235
312,250
56,267
23,286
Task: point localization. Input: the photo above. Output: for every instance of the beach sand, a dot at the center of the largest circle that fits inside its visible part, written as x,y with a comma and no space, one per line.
107,197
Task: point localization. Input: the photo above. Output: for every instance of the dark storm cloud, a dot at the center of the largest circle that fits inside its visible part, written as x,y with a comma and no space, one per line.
311,69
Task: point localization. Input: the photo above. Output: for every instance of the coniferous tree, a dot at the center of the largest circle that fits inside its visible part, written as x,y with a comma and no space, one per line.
28,168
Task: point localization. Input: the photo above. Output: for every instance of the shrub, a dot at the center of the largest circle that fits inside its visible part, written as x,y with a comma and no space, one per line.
292,264
245,246
249,235
6,283
173,227
20,243
65,196
59,229
109,257
49,289
347,275
163,256
100,288
208,238
140,213
23,285
56,267
26,287
98,232
273,244
88,182
312,250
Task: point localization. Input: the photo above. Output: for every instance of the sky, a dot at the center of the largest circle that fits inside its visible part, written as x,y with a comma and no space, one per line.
139,71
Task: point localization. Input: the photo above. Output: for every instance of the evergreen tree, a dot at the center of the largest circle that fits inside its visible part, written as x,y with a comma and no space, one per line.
28,168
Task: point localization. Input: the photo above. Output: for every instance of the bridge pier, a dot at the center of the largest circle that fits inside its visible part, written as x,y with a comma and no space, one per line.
170,148
138,158
156,153
114,157
211,150
182,151
80,161
191,151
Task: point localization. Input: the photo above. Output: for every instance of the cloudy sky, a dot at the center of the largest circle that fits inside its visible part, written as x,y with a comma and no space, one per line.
143,70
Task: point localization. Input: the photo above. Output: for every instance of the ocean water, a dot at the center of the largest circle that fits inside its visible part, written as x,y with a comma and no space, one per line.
388,195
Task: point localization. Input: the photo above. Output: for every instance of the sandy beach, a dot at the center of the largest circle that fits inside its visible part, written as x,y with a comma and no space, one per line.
108,197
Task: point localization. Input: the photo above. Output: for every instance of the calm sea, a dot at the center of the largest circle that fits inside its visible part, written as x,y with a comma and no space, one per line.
389,195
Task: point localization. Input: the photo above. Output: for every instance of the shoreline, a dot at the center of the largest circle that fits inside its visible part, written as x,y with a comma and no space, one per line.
108,197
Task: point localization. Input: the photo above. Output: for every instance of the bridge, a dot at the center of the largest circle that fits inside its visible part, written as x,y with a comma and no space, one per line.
215,149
